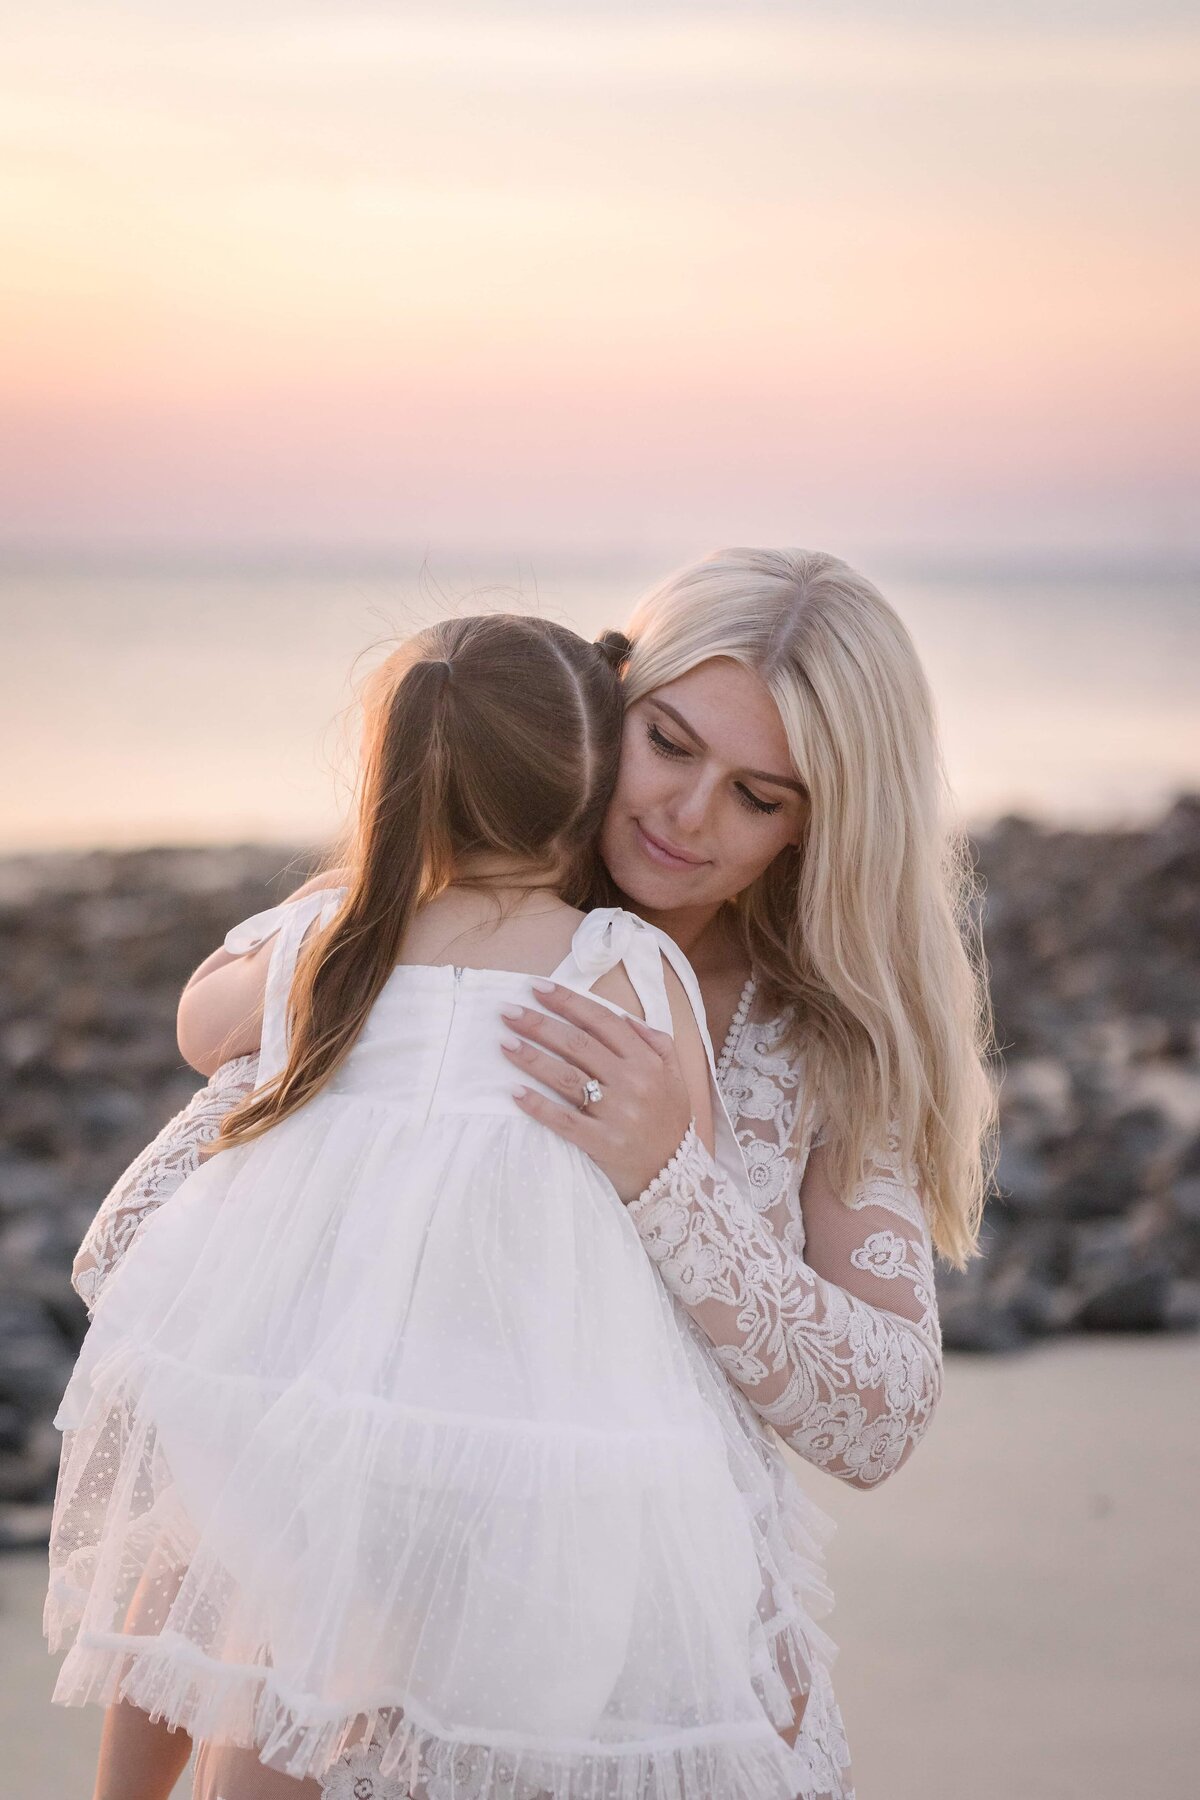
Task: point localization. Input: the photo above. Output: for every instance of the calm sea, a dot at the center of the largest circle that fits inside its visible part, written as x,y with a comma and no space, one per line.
189,706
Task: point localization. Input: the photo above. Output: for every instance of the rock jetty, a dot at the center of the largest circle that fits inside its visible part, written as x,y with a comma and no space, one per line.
1093,946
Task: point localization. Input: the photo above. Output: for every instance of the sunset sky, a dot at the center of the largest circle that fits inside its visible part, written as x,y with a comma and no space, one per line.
593,276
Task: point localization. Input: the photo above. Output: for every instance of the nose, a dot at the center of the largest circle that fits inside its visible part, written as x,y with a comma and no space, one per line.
693,800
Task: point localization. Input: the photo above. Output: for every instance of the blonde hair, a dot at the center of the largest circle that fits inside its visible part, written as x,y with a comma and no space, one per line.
492,733
868,932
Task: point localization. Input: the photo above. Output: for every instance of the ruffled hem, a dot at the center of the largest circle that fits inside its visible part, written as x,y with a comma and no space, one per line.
790,1658
237,1697
205,1600
172,1682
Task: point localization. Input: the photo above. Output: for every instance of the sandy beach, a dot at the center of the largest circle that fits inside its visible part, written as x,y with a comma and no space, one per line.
1016,1610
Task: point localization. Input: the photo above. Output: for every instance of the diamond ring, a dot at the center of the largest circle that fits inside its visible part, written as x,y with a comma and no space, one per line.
592,1092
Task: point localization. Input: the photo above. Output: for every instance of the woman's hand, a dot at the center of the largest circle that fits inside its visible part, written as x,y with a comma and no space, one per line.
646,1110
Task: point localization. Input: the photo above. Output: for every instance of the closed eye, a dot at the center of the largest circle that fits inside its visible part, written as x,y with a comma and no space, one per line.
662,743
756,805
665,746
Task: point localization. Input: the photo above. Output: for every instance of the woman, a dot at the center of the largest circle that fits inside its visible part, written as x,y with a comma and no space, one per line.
779,813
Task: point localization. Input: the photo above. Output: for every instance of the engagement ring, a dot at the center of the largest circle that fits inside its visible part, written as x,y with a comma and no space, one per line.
592,1092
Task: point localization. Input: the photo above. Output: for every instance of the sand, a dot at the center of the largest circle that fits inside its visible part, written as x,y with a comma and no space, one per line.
1017,1608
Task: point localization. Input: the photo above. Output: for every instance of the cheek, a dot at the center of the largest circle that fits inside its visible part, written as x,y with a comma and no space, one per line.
642,776
750,845
624,801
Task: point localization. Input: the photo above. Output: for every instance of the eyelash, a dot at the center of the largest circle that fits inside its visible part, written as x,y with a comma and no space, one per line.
662,746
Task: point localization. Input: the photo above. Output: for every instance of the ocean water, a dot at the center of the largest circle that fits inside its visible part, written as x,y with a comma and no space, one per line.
195,705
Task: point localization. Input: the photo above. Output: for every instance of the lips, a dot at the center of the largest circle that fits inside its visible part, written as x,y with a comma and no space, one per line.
664,853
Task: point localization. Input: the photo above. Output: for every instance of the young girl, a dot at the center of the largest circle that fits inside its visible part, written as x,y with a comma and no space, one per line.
385,1430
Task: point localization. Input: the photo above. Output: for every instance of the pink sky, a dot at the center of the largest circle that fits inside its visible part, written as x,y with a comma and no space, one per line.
598,277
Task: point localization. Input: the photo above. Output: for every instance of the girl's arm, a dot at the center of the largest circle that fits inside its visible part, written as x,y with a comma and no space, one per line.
220,1014
221,957
221,1008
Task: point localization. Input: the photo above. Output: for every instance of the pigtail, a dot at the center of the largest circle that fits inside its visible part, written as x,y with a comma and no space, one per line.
615,648
403,856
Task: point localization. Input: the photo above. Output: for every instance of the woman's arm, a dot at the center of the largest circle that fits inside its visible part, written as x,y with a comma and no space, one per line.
155,1174
837,1347
825,1318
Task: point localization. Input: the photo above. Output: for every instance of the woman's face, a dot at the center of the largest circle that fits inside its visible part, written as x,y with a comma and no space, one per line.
706,797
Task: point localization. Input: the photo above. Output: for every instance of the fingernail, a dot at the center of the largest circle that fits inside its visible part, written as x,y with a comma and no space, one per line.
520,1093
512,1012
512,1043
543,987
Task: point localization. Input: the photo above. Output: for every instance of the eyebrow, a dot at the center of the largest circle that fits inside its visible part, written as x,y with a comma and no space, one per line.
758,774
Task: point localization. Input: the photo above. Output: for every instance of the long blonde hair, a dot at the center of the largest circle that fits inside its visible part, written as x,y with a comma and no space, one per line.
491,733
868,933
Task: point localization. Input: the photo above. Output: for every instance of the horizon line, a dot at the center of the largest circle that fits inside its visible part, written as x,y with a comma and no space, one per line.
287,556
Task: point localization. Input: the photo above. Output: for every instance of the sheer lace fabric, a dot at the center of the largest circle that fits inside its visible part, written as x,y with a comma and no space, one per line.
155,1175
822,1311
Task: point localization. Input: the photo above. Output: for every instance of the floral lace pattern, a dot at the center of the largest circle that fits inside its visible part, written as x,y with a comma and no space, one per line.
357,1776
822,1311
155,1175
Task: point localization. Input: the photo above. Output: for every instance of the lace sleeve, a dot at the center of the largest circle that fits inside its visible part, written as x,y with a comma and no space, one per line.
846,1362
154,1176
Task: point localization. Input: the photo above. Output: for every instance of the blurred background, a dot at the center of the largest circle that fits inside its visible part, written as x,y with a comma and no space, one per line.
317,321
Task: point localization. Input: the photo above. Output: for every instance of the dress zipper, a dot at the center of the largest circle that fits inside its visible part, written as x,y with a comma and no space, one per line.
433,1088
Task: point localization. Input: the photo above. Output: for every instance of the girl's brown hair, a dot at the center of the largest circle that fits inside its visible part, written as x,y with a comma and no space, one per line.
497,733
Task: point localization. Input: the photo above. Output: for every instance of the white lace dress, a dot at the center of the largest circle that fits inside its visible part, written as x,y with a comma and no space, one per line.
821,1312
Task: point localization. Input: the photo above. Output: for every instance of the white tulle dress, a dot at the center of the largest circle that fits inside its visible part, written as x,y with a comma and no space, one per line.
385,1430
